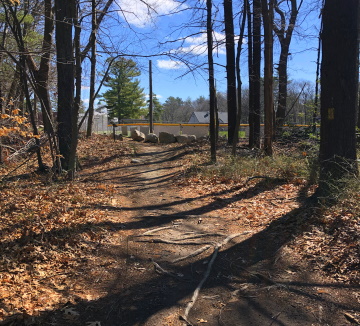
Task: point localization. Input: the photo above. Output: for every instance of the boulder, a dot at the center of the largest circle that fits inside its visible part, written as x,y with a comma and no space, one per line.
185,139
166,138
192,138
137,135
152,138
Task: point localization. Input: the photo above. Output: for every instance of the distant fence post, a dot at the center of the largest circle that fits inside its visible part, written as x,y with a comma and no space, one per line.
114,132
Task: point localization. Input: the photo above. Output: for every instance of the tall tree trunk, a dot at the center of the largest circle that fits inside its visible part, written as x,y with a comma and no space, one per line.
230,70
212,90
257,72
3,41
238,76
19,33
66,71
282,93
93,70
42,74
267,11
358,119
250,32
2,106
339,86
41,166
317,83
284,34
77,99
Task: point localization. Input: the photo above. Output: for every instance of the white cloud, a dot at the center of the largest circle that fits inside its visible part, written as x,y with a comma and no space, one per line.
141,14
169,64
198,44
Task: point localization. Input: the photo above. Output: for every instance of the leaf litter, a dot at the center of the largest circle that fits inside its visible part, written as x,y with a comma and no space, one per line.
51,232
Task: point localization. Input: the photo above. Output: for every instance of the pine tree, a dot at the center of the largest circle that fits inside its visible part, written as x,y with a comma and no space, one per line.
125,98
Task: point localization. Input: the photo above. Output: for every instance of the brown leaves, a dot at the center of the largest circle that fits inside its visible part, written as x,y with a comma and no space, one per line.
335,245
49,236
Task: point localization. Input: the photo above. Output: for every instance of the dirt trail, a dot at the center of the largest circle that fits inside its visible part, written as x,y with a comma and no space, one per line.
162,246
253,280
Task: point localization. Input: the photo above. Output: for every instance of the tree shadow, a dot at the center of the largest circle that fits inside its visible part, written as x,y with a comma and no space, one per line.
247,262
242,289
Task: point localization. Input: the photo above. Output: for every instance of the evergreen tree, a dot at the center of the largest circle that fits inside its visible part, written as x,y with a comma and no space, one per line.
157,109
124,98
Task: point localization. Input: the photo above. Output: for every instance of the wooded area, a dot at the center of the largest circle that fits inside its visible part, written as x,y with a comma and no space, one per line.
52,174
27,31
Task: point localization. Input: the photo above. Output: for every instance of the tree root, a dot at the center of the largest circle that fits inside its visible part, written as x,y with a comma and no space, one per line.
174,242
193,254
207,273
161,270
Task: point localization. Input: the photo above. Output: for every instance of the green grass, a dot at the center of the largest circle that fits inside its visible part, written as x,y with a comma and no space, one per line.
277,167
225,134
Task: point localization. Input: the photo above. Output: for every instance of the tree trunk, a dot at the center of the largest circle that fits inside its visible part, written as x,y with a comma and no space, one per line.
230,70
77,99
238,77
257,73
250,33
93,70
284,37
339,86
358,119
19,33
66,70
212,90
267,11
283,81
317,82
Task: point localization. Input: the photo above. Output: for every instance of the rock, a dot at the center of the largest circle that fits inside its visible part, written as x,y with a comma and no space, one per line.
137,135
166,138
185,139
192,138
152,138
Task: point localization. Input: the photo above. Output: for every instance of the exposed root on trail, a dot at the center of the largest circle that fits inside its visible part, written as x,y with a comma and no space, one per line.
185,234
207,273
193,254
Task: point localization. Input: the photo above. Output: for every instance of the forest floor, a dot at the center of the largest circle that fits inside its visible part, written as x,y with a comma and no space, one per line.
140,238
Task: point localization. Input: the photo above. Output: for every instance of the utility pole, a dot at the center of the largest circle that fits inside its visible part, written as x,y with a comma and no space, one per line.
151,122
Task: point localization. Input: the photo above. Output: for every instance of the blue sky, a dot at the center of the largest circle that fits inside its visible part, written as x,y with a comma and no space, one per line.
162,23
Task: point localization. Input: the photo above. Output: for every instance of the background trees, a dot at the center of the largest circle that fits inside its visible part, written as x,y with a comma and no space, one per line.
176,109
28,55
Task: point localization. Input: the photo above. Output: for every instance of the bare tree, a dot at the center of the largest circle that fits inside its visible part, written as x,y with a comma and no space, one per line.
67,115
284,33
92,69
212,89
267,13
230,70
254,63
238,77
